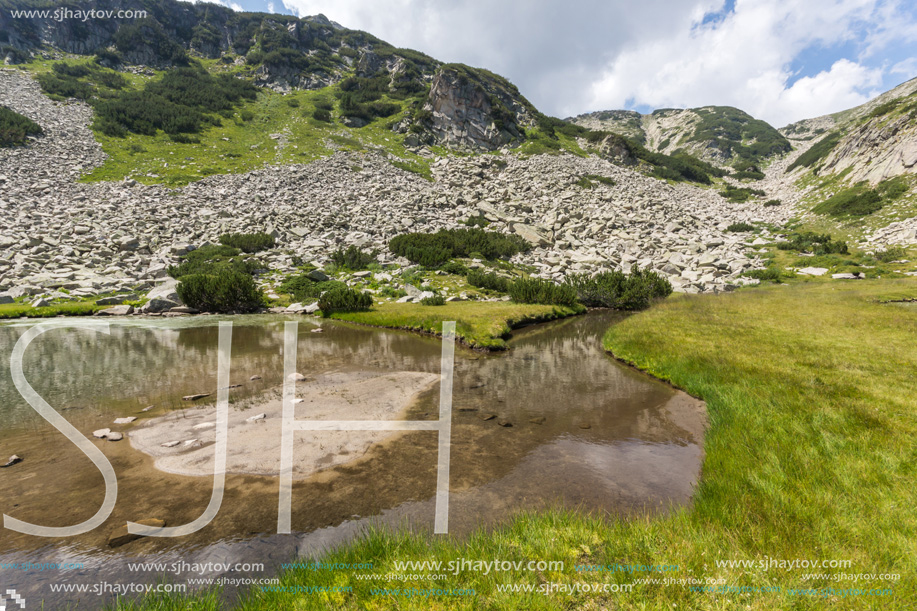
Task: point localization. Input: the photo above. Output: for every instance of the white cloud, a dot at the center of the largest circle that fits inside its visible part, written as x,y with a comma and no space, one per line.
744,61
907,68
573,57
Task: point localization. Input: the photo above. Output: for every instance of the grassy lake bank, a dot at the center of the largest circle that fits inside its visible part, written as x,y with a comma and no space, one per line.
479,324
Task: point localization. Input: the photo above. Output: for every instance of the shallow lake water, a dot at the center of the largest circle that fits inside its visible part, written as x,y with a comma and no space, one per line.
586,433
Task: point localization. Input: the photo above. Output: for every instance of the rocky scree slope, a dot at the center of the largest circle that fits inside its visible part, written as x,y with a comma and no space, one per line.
92,238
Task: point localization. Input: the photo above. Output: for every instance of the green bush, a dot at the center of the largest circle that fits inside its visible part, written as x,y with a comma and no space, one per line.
893,188
435,300
184,139
739,227
74,70
303,288
179,102
210,259
818,244
489,281
248,242
434,249
225,290
739,194
614,289
476,221
748,174
247,115
321,114
770,274
816,153
14,127
855,201
353,258
292,102
536,290
454,267
888,255
589,181
772,202
392,293
64,86
343,299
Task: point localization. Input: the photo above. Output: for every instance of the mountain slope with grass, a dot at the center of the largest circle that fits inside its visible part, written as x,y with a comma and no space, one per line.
872,142
203,74
719,134
856,169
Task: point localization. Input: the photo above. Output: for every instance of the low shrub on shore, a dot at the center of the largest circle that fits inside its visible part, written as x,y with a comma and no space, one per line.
303,288
435,300
248,242
634,291
536,290
212,258
489,281
218,279
435,249
353,258
225,290
343,299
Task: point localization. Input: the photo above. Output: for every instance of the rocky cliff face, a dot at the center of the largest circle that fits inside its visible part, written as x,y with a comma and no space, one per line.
878,139
469,112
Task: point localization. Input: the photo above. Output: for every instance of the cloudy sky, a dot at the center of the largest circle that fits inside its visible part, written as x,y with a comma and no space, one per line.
780,60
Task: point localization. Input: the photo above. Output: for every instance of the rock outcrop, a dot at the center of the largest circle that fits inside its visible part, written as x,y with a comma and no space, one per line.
469,112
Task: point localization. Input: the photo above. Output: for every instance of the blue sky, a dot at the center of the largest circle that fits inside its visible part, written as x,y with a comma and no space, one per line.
780,60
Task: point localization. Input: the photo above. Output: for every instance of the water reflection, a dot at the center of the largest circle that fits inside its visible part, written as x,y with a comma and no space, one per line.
570,427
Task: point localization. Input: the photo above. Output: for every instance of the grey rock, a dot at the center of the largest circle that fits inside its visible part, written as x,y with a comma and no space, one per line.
812,271
159,304
120,310
167,290
114,300
13,460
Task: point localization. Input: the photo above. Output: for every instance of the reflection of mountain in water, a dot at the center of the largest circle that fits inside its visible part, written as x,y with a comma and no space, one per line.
140,364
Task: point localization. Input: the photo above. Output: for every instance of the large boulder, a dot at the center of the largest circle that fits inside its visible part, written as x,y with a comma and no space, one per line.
158,304
167,290
536,236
